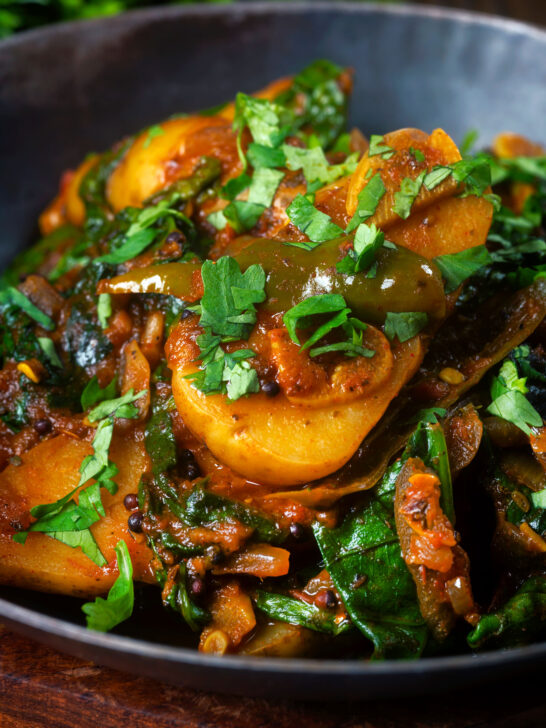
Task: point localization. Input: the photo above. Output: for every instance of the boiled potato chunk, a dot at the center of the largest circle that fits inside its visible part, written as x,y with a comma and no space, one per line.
276,442
48,472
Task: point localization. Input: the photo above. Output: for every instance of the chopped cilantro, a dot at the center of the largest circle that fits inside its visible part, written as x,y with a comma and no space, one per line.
227,306
300,316
317,225
104,309
468,142
368,240
315,166
457,267
368,200
405,325
235,186
104,614
436,176
241,214
378,147
48,347
264,185
508,392
260,155
93,393
228,313
417,154
121,407
153,132
14,297
407,194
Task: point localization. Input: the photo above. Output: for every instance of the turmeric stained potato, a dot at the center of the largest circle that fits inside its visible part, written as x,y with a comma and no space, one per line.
48,472
239,316
272,440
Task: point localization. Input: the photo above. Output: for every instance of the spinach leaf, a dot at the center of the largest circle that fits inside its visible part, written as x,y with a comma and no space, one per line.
203,507
104,614
363,558
294,611
520,620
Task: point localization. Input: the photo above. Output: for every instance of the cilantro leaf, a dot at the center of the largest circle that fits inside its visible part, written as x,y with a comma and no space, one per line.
378,147
436,176
235,186
417,154
457,267
298,315
14,297
508,392
262,118
368,200
241,214
474,173
104,309
407,194
153,132
315,166
104,614
347,347
93,393
228,293
260,155
121,407
512,406
368,240
405,325
133,246
317,225
264,185
48,347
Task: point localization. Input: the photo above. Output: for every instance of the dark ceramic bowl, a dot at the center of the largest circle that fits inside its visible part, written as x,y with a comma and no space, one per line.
80,86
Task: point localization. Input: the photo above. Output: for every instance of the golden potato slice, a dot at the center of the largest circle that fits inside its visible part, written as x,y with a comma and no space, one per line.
447,226
152,163
273,441
48,472
437,149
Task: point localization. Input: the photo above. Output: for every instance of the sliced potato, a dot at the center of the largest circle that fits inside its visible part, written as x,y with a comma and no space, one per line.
48,472
276,442
437,149
447,226
152,163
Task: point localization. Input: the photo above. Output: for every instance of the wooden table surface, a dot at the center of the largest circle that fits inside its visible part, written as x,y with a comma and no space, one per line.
40,688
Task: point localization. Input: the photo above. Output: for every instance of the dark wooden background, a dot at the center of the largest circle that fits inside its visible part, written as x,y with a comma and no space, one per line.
40,688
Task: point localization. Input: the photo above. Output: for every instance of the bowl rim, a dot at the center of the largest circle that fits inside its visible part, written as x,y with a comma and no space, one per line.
259,8
109,642
40,623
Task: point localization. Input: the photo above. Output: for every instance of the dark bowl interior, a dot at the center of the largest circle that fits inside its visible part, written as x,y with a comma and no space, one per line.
79,87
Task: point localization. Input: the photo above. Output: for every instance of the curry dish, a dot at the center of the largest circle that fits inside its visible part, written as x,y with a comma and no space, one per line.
292,375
